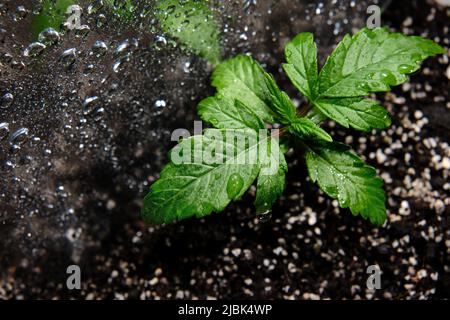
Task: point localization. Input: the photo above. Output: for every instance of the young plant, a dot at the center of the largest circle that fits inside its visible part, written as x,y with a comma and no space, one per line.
217,168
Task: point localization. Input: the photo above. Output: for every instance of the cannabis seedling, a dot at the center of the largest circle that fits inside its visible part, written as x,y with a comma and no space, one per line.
248,100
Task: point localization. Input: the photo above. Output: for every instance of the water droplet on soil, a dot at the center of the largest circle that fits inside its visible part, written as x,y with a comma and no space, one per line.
264,216
34,49
99,48
68,57
89,104
160,104
4,130
6,100
49,36
19,136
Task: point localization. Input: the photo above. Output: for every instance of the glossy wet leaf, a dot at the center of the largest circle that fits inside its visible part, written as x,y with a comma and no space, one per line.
271,180
217,168
225,113
301,55
193,23
52,15
307,129
345,177
373,61
285,113
242,78
370,61
249,99
361,114
281,105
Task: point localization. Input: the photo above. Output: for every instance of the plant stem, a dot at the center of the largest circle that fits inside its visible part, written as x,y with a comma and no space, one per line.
304,110
278,133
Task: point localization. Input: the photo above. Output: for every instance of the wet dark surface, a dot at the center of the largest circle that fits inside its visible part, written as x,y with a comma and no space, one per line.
74,194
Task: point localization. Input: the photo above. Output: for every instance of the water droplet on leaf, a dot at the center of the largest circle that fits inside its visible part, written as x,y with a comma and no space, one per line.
417,57
214,122
406,68
388,77
234,185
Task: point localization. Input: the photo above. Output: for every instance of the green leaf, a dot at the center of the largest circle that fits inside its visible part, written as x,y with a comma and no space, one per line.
285,113
361,114
191,22
305,128
242,78
282,106
301,55
345,177
206,173
52,15
223,113
373,61
271,179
